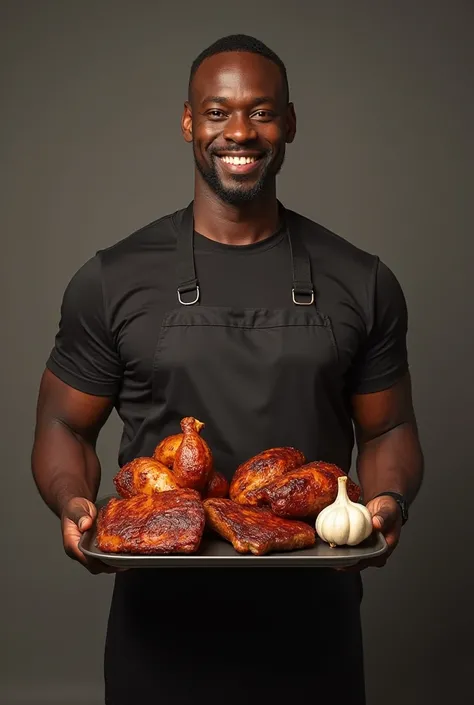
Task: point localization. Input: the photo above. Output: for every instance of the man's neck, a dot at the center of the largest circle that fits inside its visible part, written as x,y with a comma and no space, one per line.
244,224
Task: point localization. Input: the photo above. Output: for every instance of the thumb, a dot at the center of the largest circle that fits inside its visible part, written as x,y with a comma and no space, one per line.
384,516
378,521
82,512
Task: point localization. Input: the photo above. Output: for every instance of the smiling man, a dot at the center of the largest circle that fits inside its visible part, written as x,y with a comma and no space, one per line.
238,172
274,332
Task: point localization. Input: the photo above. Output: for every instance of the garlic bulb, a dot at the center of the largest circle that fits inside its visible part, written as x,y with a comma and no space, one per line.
343,523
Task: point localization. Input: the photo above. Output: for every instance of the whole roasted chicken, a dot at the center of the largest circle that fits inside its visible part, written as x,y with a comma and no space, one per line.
305,491
251,476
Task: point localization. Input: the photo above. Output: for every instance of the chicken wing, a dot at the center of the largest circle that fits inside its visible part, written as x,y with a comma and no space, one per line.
144,476
304,492
252,475
169,522
254,530
193,461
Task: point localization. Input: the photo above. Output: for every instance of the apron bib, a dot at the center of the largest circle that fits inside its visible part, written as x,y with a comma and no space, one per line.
257,378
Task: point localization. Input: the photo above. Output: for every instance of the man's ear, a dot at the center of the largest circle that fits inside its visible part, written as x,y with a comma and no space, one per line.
290,123
187,122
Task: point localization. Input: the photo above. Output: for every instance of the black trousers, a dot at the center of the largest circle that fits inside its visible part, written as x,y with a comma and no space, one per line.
247,636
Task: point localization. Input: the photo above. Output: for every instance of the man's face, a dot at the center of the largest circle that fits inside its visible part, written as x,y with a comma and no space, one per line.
239,121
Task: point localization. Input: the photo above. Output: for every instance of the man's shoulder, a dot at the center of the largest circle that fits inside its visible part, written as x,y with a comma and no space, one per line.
157,235
323,242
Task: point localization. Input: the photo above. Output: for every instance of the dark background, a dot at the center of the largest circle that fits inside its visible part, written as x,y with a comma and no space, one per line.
91,150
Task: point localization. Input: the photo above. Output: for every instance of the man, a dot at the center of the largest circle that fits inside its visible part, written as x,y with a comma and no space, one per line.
274,332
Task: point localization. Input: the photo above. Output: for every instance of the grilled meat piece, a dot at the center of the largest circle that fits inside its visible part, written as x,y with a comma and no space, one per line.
254,530
169,522
304,492
252,475
217,486
165,451
192,464
144,476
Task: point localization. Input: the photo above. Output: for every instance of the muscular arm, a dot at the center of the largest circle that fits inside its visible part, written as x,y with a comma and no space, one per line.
389,452
64,459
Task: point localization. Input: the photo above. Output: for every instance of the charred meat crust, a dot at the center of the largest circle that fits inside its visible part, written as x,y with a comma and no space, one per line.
169,522
255,530
252,475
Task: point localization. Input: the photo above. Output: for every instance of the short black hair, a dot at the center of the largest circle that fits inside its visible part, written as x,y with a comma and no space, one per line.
239,42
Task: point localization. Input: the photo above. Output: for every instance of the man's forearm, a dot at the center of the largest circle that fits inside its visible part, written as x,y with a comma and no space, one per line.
392,461
64,466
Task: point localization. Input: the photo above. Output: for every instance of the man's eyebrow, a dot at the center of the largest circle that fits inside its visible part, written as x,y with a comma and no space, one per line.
220,100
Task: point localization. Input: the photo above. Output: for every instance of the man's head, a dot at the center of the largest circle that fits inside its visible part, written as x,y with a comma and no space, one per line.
238,117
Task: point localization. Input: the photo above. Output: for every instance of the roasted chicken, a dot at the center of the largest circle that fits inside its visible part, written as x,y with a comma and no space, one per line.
304,492
217,486
167,500
254,530
193,462
257,472
169,522
165,451
144,476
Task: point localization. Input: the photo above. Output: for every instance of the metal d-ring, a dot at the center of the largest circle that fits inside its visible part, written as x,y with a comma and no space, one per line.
302,303
189,303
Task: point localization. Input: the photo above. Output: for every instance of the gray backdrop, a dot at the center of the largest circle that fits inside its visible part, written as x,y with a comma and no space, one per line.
92,93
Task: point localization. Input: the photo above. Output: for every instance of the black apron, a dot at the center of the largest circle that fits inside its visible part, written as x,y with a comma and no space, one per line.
257,378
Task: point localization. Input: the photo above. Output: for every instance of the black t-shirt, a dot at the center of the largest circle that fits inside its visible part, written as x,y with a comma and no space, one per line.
113,307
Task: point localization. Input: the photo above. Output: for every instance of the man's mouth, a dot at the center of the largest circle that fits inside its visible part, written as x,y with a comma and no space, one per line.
238,164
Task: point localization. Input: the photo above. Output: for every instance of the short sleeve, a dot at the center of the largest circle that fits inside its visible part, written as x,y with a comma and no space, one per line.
83,355
383,359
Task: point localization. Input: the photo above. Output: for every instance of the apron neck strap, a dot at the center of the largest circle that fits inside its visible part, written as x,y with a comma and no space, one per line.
302,292
188,290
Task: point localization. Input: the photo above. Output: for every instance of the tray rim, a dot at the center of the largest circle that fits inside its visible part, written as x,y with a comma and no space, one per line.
282,559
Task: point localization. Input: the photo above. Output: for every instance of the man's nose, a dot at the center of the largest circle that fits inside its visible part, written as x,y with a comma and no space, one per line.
239,129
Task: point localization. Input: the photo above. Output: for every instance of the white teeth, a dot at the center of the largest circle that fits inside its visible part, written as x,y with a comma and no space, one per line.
237,161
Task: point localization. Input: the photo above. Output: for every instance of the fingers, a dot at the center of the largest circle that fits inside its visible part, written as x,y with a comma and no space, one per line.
78,517
71,538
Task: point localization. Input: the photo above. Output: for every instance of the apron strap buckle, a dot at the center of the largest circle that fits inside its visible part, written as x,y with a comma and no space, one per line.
302,289
186,288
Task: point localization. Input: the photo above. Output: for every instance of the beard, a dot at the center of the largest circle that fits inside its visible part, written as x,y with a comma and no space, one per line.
239,192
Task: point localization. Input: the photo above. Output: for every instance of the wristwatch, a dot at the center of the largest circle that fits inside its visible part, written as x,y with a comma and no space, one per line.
401,501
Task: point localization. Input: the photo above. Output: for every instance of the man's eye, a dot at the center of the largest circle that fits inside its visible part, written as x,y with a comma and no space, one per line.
216,114
263,115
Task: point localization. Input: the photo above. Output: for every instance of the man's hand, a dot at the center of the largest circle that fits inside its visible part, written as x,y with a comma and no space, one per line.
77,517
386,518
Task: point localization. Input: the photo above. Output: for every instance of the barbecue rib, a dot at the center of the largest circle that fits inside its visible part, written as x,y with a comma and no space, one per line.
254,530
144,476
192,464
252,475
217,486
170,522
304,492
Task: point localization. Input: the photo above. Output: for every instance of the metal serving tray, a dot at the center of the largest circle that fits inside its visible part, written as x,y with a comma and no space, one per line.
216,552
